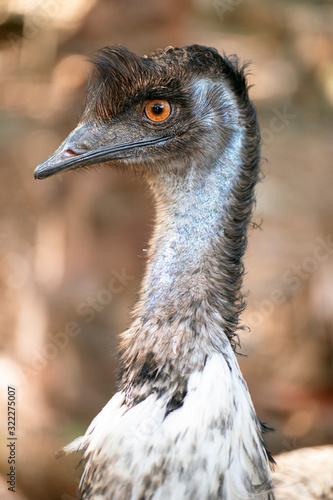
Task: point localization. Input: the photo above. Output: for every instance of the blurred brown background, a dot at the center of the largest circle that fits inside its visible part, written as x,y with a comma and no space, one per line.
62,240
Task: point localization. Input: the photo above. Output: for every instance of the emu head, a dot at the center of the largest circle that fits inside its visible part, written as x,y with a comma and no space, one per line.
161,114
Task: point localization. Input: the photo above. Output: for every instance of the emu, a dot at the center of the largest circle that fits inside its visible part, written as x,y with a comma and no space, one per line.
181,425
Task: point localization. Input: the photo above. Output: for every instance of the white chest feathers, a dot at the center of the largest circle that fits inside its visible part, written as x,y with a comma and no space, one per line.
209,448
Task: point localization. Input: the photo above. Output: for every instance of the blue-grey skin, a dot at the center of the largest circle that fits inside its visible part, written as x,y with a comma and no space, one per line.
202,164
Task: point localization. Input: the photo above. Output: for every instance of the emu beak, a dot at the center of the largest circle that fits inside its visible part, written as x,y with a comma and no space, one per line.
88,145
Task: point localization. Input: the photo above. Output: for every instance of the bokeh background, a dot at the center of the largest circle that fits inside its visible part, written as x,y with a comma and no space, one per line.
63,239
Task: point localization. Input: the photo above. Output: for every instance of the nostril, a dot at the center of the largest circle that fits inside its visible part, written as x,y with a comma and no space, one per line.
82,148
69,152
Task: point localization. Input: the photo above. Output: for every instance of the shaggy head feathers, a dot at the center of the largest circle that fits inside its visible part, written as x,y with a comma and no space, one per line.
122,78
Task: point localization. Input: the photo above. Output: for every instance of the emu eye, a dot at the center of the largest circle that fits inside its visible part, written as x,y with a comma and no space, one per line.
158,110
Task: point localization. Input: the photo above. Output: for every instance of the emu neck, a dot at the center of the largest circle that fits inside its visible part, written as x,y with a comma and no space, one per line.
190,296
194,262
185,245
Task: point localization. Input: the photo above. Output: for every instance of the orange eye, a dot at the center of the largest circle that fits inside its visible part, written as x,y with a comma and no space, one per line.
158,110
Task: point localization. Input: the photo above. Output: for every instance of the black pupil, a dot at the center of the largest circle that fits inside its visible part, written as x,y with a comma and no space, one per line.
157,108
